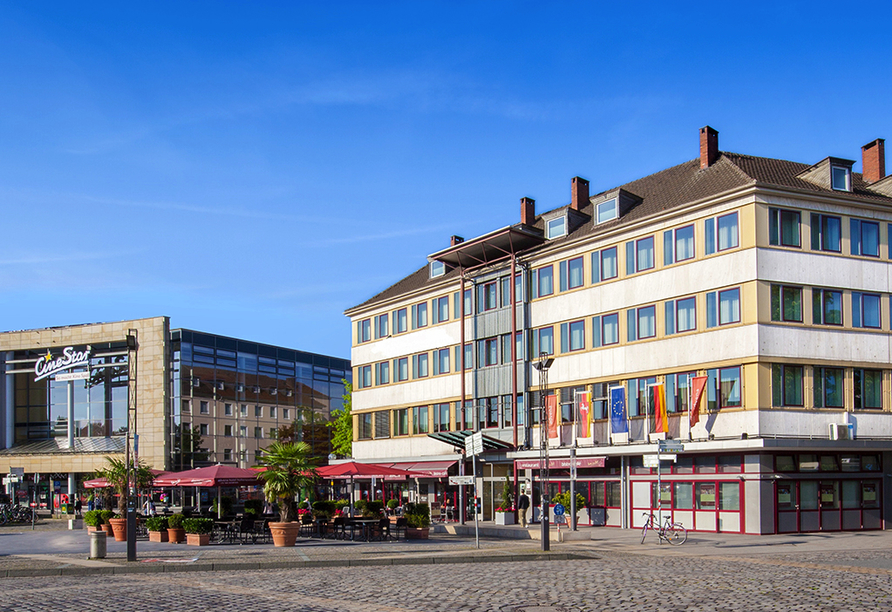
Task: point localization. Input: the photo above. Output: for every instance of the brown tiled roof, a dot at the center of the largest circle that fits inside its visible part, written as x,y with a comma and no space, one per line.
672,188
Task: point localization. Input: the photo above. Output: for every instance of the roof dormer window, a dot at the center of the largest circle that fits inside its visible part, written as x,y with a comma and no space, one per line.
841,178
607,211
555,228
437,268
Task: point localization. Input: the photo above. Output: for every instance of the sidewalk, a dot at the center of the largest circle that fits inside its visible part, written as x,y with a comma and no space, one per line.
53,550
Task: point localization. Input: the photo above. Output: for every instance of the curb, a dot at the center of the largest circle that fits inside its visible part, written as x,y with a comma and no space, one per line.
225,566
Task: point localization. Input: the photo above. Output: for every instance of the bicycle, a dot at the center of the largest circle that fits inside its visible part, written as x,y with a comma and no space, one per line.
674,533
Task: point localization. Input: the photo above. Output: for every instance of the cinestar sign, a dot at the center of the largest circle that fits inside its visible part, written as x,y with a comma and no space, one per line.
48,365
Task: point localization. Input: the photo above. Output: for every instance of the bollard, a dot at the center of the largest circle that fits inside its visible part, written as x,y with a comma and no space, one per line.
98,545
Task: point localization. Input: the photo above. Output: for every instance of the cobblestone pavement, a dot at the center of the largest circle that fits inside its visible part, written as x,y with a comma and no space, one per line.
612,581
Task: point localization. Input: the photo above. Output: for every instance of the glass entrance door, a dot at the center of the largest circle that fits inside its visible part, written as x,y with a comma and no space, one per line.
787,507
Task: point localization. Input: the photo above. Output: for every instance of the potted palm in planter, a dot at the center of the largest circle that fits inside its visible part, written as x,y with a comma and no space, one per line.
563,498
198,531
418,521
117,474
157,528
287,470
175,531
505,513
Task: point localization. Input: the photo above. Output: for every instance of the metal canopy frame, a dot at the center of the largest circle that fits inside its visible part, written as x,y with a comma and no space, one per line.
457,439
490,248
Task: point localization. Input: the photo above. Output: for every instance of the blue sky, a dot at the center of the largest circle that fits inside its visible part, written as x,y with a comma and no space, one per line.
254,169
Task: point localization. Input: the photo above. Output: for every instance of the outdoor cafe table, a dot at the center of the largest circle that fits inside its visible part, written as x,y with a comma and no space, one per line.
365,524
225,531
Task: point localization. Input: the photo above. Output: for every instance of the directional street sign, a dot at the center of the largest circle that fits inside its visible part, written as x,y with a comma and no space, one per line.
474,444
669,446
461,480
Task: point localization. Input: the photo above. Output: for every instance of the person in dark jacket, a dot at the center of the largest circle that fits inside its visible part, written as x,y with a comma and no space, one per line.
523,504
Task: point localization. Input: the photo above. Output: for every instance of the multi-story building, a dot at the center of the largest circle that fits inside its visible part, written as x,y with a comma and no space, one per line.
770,280
198,399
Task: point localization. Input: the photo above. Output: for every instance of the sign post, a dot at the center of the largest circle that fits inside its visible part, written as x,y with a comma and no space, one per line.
473,446
664,447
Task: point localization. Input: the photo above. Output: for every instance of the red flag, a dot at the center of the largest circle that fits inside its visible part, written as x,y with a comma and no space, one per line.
661,419
698,384
552,412
585,414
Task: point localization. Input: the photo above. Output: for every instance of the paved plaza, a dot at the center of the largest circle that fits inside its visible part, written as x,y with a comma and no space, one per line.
612,571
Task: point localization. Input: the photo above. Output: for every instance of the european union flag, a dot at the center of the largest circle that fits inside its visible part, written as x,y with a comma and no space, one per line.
618,421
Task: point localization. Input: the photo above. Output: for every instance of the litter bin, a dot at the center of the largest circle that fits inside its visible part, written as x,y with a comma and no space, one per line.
98,544
598,516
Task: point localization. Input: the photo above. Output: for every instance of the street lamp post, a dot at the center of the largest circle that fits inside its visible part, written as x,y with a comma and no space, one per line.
542,365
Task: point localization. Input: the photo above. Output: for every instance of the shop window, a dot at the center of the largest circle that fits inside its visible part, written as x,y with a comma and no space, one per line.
684,464
664,495
870,463
614,494
850,463
730,464
830,495
705,496
729,496
705,464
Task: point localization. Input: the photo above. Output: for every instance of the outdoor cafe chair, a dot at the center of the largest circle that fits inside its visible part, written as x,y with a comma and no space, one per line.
400,526
246,531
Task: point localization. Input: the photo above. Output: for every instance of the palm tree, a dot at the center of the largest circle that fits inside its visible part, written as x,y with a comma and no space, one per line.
288,469
116,474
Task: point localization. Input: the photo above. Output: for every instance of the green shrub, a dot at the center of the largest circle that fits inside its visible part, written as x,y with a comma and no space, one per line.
156,523
373,509
93,518
393,504
324,508
417,515
227,506
341,504
198,525
564,500
175,521
105,515
253,507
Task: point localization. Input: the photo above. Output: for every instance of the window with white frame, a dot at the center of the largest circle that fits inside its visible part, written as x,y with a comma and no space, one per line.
555,228
437,268
841,178
607,211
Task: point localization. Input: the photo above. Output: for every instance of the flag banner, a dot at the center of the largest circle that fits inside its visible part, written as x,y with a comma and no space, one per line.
698,385
618,422
658,401
584,410
551,410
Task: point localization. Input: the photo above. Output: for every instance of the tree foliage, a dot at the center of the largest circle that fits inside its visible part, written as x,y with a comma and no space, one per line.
116,474
288,469
342,425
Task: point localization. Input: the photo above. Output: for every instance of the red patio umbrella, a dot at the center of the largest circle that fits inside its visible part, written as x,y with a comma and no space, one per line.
211,476
101,483
353,469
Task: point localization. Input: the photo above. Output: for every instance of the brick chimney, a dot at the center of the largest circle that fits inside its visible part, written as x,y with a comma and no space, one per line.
527,211
709,146
578,193
456,240
873,161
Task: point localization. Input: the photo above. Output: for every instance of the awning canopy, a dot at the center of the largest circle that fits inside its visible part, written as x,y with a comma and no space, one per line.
457,439
490,247
434,469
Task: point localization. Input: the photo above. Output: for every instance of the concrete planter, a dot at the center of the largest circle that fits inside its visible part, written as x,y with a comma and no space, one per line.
506,518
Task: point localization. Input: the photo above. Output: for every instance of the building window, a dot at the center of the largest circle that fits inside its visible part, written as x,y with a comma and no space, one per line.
227,454
826,307
678,245
382,373
203,408
258,432
543,341
203,429
227,409
401,368
605,330
441,417
419,365
866,310
243,431
487,297
868,389
487,352
826,233
865,238
640,255
419,420
829,387
440,309
402,422
364,330
382,424
607,211
556,228
400,321
572,336
419,315
272,412
721,233
227,431
783,227
678,391
604,265
571,274
729,387
286,413
381,326
681,315
543,281
258,411
786,385
641,323
244,410
637,395
840,178
365,376
437,268
441,361
364,422
786,303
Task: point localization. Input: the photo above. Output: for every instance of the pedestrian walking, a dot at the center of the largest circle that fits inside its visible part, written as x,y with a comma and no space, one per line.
77,505
523,504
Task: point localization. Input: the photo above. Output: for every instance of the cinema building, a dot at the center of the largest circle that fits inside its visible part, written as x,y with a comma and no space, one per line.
768,279
196,399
